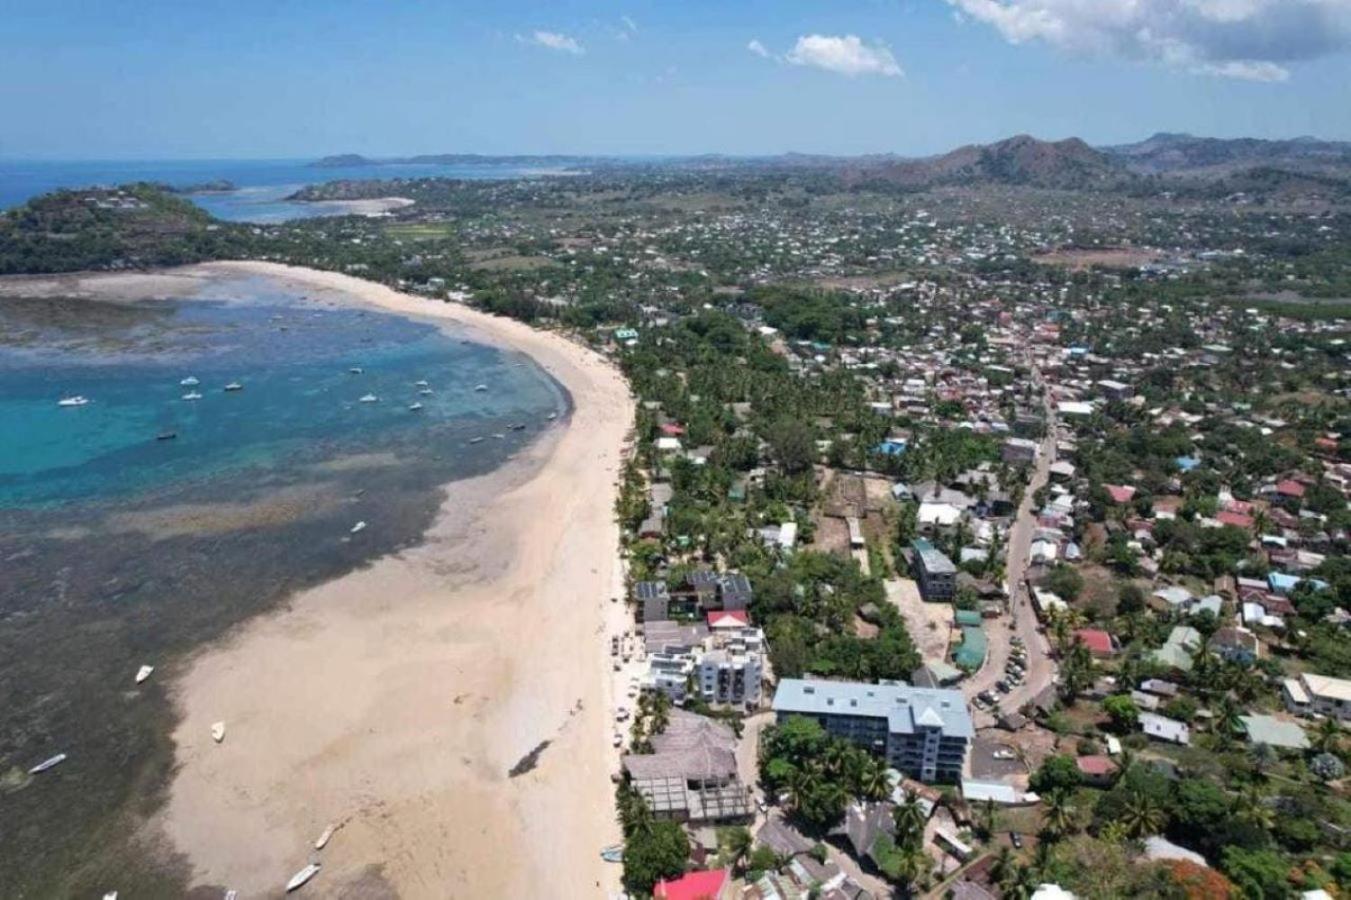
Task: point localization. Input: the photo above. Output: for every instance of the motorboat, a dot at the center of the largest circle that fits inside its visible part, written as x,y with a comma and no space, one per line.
166,435
325,837
76,400
218,732
190,381
298,879
143,673
50,762
414,407
192,395
234,386
356,370
358,527
370,398
480,387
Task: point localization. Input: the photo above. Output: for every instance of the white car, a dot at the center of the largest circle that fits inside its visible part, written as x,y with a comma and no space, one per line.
1004,753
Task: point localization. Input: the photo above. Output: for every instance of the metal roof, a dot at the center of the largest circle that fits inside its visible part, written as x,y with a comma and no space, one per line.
903,707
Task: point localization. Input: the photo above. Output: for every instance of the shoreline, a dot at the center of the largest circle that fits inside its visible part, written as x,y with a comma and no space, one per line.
395,700
371,207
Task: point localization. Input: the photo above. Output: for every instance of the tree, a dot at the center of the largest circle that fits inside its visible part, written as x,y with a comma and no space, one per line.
1258,874
1057,773
1142,816
654,853
1228,722
1327,737
1124,713
735,844
1060,815
1130,599
793,445
1198,882
1326,767
1065,582
1077,672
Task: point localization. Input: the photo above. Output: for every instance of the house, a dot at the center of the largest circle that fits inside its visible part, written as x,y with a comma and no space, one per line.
711,885
1176,652
1096,770
1162,728
1236,645
1098,642
922,732
1274,732
936,574
1120,494
654,598
1019,451
1318,695
734,591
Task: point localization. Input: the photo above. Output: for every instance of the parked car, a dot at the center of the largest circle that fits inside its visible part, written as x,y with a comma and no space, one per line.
1002,687
1016,839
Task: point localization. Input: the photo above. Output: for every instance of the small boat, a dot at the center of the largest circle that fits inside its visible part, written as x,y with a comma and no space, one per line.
76,400
356,370
143,673
551,416
110,895
517,427
480,387
476,440
325,837
358,527
425,392
370,398
414,407
420,384
613,854
234,386
48,763
218,732
192,395
500,436
189,382
304,875
232,895
166,435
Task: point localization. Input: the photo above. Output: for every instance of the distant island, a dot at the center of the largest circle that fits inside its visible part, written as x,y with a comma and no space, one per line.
215,186
352,160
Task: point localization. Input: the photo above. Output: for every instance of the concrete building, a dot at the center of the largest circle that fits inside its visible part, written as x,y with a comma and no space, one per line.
1318,695
1019,451
936,574
729,675
923,732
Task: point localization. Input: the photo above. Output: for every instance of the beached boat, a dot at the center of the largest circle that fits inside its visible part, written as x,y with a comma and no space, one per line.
234,386
613,854
76,400
48,763
218,732
189,382
325,837
298,879
166,435
370,398
232,895
192,395
414,407
143,673
360,526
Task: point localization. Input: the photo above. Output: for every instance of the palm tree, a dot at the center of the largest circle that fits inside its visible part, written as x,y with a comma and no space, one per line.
987,818
1228,721
1142,816
1002,867
909,819
870,779
1327,736
1059,818
1019,884
1263,757
1251,808
736,845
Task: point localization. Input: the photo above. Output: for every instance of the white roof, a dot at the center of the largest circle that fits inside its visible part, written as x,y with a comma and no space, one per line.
1327,687
1052,892
938,514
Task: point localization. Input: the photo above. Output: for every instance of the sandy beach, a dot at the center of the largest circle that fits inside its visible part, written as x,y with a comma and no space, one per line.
394,702
371,207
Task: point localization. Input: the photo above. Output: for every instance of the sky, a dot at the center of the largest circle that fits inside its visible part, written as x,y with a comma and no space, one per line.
171,79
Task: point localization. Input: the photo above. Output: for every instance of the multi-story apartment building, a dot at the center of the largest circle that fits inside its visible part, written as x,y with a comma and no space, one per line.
936,574
923,732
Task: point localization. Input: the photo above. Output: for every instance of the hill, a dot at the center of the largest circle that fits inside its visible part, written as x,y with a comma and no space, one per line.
1023,160
1166,153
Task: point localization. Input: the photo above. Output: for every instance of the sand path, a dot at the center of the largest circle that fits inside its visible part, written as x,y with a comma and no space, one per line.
394,700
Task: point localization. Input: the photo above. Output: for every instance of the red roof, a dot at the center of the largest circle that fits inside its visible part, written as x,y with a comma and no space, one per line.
1290,488
693,886
1095,640
1238,520
1120,493
672,429
1242,507
726,618
1096,765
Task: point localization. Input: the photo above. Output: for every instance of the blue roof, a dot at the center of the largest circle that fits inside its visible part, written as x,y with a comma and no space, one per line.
1187,463
903,707
1281,582
890,447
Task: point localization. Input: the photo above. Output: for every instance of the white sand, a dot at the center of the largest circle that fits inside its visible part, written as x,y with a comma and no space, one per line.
371,206
395,700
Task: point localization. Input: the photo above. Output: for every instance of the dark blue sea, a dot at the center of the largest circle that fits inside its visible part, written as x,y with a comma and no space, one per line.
262,184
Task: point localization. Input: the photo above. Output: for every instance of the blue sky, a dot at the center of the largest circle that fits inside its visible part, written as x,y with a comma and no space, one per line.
289,78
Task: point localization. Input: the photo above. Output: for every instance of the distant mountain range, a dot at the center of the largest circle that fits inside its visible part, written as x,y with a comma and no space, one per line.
1022,160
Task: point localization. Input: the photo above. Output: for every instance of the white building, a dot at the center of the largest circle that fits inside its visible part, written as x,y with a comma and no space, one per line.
1320,695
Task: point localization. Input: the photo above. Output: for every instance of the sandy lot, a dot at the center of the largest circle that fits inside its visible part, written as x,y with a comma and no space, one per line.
394,701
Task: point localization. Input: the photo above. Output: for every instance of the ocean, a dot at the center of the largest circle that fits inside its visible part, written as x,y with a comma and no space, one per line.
261,184
120,548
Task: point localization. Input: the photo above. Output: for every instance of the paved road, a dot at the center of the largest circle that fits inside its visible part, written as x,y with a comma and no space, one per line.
1021,620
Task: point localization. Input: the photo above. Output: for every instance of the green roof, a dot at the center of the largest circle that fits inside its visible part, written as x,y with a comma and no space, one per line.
968,617
970,654
1275,732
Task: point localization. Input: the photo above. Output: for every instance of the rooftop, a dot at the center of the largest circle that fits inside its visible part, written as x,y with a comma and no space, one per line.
905,708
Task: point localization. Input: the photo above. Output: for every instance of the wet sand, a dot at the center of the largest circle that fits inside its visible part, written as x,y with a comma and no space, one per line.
394,701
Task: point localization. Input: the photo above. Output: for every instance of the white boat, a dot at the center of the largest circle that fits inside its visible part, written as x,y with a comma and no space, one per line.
370,398
218,732
551,416
189,382
234,386
425,392
304,875
420,384
480,387
477,440
143,673
356,370
360,526
613,853
324,838
76,400
192,395
48,763
414,407
232,895
110,895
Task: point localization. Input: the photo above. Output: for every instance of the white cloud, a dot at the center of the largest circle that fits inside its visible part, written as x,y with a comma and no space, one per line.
553,40
757,48
845,54
629,24
1250,39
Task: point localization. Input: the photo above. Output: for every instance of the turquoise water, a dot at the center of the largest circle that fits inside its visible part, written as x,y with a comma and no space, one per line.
299,395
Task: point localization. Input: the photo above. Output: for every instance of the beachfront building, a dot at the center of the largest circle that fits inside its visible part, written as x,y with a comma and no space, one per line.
1318,695
936,574
691,775
923,732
